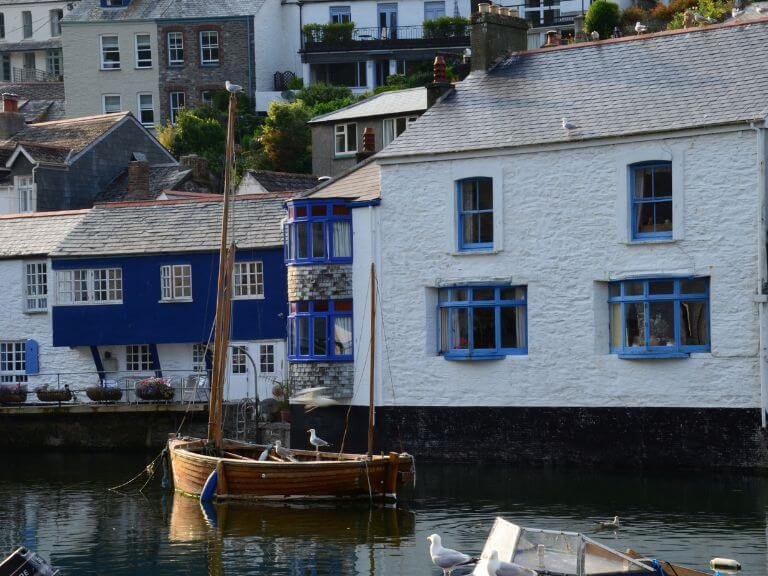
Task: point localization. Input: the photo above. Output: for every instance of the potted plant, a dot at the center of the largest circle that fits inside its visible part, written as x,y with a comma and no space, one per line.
104,393
13,394
154,388
47,394
281,393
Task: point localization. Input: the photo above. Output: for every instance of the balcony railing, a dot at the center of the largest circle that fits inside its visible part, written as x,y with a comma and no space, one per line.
380,37
33,75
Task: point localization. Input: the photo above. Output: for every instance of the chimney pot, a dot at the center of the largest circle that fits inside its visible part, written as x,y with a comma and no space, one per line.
439,71
138,180
484,8
553,39
10,102
495,9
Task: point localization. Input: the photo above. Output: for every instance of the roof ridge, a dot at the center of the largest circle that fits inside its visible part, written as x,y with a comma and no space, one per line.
82,118
44,214
212,198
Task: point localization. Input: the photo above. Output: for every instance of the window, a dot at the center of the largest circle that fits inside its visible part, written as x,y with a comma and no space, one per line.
94,286
176,282
651,190
25,190
138,358
393,127
248,278
146,109
143,51
55,17
177,103
26,23
6,67
340,14
267,358
175,49
110,53
320,330
114,3
2,26
209,47
475,211
659,318
482,321
35,287
29,62
199,364
13,362
53,62
111,103
352,74
434,10
346,138
239,365
206,97
318,232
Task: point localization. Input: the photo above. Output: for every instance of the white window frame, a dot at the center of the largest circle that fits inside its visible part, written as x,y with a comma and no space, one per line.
104,103
198,359
55,17
174,110
141,108
36,286
176,283
209,47
345,130
239,360
248,280
24,186
174,50
206,97
389,128
142,63
81,287
138,358
111,64
267,358
13,361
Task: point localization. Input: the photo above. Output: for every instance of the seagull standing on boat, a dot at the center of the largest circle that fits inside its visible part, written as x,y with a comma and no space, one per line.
284,453
316,441
445,558
498,567
612,525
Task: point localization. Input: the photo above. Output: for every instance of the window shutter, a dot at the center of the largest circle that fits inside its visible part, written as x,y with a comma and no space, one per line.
32,357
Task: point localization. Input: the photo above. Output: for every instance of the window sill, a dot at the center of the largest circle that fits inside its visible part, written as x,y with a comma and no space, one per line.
643,241
260,297
110,69
481,357
36,311
478,252
142,67
176,65
654,355
209,64
175,301
332,359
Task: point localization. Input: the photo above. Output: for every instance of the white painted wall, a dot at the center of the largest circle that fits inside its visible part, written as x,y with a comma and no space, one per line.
563,234
41,27
365,14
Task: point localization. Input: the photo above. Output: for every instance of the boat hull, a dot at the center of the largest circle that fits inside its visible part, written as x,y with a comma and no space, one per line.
241,476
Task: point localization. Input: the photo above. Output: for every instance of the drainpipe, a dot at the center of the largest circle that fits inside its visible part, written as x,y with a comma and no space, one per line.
34,186
762,270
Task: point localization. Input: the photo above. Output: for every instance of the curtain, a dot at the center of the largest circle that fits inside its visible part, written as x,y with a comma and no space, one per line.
342,239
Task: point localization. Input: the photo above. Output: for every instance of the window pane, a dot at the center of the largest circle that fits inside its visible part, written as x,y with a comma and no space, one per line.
302,241
694,286
643,183
662,181
615,325
320,337
633,288
663,216
693,323
634,321
460,294
644,217
303,336
342,336
517,293
614,290
484,194
467,195
485,227
512,327
320,306
484,327
483,293
342,239
662,324
318,239
662,287
459,329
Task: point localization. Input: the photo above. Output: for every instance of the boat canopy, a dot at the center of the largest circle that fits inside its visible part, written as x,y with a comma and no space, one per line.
555,553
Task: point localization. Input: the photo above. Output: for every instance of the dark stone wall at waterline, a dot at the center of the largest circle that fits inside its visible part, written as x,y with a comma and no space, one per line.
649,438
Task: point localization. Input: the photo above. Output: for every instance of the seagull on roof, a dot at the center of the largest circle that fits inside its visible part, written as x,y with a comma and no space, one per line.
568,125
446,558
498,567
283,452
640,28
701,19
595,35
610,525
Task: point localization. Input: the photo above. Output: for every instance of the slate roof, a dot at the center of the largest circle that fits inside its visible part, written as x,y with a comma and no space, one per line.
161,177
362,182
384,104
656,83
36,234
283,181
29,45
175,226
92,11
41,110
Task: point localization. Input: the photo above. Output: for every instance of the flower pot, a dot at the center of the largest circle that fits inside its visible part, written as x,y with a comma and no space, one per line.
154,389
13,394
53,394
103,394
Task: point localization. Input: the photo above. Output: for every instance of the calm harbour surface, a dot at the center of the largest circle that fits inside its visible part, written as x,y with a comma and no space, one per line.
59,506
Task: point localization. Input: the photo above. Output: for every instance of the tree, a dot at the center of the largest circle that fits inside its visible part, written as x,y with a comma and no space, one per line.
196,132
318,93
286,138
603,17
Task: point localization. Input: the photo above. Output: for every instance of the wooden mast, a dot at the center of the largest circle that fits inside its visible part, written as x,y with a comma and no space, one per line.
222,320
372,360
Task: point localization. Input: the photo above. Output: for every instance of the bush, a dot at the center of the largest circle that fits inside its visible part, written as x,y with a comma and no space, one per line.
296,83
333,32
632,15
316,93
286,138
603,17
325,107
446,27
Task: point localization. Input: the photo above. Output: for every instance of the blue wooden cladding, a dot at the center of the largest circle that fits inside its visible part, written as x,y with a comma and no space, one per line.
142,317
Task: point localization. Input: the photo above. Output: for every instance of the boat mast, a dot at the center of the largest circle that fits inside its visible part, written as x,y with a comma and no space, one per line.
223,295
372,359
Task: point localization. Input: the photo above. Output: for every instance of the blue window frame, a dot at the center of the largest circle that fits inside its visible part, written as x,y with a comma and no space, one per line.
651,200
477,322
320,330
475,211
318,232
659,317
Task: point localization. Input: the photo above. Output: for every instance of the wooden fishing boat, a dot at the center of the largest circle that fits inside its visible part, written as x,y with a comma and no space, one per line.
218,468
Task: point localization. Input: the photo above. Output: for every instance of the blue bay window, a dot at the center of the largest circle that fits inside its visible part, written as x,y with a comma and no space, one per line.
320,330
475,213
651,199
477,322
659,318
318,231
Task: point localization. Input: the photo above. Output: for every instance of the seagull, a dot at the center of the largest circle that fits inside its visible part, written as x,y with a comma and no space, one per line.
498,567
313,399
445,558
284,452
567,125
595,35
315,441
612,525
264,455
233,88
701,19
760,9
640,27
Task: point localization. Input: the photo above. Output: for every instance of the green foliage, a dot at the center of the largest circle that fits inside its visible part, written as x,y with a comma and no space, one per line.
333,33
325,107
296,83
715,10
195,134
316,93
446,27
285,137
602,16
631,15
677,21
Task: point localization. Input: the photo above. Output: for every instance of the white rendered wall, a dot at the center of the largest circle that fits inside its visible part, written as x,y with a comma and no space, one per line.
41,26
563,233
365,14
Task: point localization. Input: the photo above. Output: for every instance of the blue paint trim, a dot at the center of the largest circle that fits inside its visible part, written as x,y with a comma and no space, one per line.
462,213
364,203
98,362
209,488
634,203
156,360
304,216
310,317
32,357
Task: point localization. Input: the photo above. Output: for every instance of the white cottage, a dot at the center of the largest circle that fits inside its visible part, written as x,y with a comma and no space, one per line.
572,256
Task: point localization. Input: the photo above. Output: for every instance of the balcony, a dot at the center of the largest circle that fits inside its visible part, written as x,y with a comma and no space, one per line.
316,38
22,75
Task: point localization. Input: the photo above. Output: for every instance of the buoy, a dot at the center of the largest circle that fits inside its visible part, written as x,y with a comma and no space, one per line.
724,564
209,488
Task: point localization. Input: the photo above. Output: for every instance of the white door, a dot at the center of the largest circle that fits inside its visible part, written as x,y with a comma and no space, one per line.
240,381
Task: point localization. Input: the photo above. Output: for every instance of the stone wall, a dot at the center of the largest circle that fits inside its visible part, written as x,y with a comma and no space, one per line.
319,282
338,377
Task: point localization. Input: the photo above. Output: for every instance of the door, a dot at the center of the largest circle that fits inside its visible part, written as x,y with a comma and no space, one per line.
387,21
240,383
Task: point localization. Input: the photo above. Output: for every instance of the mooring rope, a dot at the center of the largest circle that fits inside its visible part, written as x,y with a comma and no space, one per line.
149,470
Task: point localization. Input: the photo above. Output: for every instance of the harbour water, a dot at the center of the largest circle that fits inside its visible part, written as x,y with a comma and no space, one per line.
59,505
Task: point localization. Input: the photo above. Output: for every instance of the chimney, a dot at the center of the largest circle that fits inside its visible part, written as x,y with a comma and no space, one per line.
494,35
369,144
11,120
440,85
138,180
553,39
197,164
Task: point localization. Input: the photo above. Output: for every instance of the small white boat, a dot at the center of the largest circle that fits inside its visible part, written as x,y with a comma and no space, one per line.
24,562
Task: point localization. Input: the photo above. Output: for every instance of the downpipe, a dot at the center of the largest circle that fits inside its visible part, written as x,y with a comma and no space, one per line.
761,293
